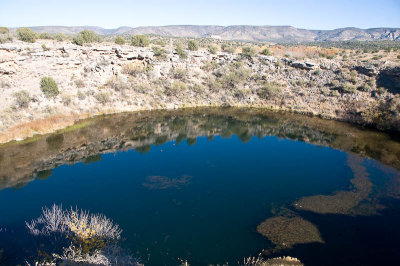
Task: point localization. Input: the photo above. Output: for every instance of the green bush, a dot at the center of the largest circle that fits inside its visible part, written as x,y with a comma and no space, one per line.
179,73
85,36
181,53
27,35
159,52
4,30
266,51
248,52
102,97
45,48
49,87
45,36
120,40
59,37
269,90
22,99
193,45
133,69
176,88
398,57
348,88
212,49
228,48
140,41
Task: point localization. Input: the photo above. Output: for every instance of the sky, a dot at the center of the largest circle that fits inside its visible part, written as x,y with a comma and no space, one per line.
308,14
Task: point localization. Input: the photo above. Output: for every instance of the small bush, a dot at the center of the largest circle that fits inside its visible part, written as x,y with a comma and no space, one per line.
86,36
212,49
59,37
193,45
27,35
179,73
49,87
45,36
22,99
140,41
398,57
228,48
102,97
116,83
81,95
348,88
133,69
44,47
120,40
79,83
181,53
4,30
159,52
248,52
269,90
176,88
266,51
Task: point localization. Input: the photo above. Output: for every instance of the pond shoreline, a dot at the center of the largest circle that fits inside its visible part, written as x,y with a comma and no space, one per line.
53,124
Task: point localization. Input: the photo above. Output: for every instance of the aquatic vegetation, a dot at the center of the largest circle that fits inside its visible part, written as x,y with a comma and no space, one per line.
342,202
280,261
81,224
286,232
163,182
92,238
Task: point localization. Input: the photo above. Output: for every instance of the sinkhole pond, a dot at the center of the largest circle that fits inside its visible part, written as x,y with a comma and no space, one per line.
204,186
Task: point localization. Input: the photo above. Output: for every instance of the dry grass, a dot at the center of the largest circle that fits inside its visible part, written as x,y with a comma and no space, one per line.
39,126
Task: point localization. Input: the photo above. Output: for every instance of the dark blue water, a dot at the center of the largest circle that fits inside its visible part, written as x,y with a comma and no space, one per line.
200,202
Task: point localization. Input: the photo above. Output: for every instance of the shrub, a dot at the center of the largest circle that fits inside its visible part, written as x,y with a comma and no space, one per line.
49,87
266,51
140,41
179,73
248,52
159,52
210,66
347,88
81,95
102,97
78,40
22,98
120,40
44,47
133,69
59,37
398,57
228,48
181,53
193,45
234,77
86,36
212,49
27,35
79,83
4,30
269,90
176,88
45,36
116,83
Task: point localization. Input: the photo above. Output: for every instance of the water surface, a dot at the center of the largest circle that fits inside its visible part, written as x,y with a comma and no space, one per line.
195,185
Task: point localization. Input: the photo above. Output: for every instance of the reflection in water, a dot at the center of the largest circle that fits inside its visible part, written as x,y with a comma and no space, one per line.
21,162
163,182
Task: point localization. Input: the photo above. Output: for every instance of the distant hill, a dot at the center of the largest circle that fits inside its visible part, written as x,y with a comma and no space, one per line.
244,33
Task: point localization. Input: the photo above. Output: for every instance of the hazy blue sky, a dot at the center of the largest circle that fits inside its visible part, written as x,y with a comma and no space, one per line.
310,14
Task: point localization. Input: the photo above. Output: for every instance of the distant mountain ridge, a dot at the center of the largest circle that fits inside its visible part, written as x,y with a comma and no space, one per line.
242,32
